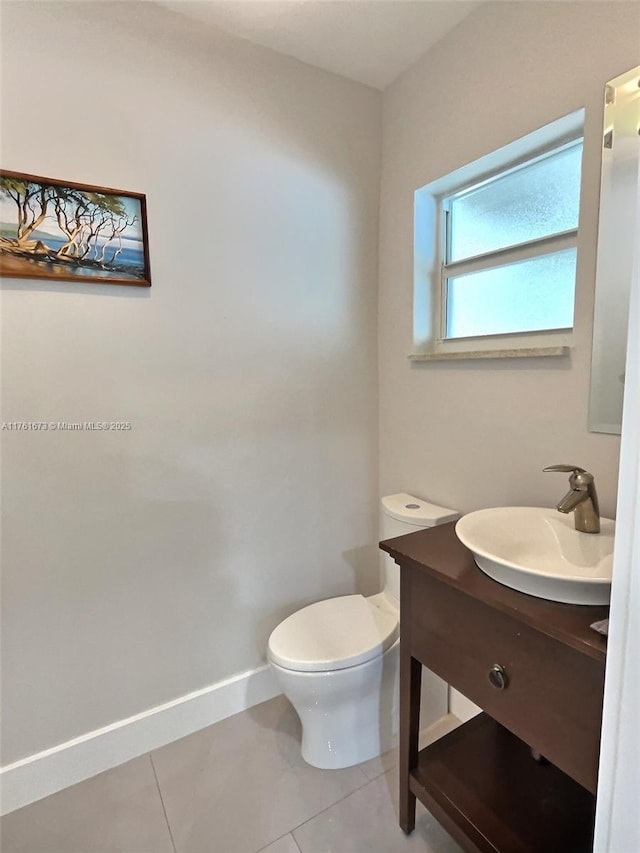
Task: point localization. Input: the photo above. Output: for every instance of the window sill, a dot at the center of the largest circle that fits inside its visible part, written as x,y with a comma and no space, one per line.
523,352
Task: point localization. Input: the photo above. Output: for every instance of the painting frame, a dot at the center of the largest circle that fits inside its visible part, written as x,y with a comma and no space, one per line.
87,227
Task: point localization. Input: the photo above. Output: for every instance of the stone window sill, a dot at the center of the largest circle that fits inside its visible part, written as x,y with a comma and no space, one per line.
523,352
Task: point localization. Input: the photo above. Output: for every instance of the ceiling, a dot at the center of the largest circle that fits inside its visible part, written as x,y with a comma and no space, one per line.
370,41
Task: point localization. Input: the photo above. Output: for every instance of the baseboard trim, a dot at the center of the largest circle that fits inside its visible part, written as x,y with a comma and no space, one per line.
51,770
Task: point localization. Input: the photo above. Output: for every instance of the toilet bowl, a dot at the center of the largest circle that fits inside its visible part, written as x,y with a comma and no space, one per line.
337,663
337,660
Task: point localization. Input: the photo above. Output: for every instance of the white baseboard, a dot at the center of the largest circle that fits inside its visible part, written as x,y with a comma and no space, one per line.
461,707
51,770
438,729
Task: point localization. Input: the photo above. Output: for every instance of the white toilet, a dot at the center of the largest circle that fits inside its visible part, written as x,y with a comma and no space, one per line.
337,660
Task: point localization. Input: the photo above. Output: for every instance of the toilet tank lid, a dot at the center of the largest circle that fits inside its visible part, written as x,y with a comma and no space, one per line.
415,511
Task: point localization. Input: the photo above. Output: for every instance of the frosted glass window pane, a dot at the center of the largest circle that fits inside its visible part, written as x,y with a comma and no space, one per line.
529,296
532,202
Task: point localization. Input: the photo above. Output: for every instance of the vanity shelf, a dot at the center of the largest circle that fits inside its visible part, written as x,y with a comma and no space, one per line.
483,785
481,781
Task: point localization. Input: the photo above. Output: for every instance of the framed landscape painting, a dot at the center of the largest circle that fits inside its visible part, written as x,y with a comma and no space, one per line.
67,231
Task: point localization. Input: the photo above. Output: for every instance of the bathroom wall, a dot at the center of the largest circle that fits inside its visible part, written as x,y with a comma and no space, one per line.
141,566
475,434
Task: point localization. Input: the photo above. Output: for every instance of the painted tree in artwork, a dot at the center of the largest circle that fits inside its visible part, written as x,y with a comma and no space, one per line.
84,218
114,221
32,202
92,223
70,207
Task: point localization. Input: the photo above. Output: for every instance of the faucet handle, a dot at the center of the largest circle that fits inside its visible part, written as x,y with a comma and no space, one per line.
580,479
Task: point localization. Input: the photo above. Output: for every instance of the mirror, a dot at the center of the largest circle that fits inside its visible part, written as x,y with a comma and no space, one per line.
618,201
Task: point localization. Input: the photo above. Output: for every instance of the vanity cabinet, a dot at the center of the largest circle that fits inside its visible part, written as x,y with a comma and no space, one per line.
520,777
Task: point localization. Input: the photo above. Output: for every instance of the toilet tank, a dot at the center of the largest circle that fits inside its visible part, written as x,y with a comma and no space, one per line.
403,513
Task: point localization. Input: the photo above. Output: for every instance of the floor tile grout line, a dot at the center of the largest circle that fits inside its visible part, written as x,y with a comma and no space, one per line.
275,841
341,800
164,808
382,772
291,831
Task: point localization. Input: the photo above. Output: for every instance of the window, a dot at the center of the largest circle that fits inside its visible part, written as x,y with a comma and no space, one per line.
510,249
499,248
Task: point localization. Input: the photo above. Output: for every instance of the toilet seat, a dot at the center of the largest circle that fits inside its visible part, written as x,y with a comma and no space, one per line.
333,634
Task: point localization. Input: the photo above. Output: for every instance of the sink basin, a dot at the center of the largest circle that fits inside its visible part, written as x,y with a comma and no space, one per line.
538,551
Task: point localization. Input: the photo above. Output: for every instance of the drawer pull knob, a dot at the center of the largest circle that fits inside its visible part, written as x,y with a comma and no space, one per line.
498,677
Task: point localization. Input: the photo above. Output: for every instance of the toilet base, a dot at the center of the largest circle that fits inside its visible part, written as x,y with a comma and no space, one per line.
348,715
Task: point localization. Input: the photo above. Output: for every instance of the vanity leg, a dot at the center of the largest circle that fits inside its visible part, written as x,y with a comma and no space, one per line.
410,681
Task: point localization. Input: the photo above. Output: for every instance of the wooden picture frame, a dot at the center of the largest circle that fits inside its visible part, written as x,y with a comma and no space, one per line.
65,231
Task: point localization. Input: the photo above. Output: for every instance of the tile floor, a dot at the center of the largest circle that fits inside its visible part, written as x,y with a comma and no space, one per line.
239,786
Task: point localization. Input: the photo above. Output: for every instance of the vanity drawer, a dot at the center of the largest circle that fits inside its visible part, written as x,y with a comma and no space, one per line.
551,695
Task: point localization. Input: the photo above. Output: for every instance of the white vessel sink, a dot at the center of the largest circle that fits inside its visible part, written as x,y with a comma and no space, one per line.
538,551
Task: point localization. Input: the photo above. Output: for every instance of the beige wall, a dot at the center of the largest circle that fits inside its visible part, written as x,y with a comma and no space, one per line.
138,567
141,566
477,434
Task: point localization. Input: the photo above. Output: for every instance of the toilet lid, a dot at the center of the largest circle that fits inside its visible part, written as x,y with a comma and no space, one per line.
333,634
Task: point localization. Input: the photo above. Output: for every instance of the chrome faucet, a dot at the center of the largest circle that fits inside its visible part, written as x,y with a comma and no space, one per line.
581,499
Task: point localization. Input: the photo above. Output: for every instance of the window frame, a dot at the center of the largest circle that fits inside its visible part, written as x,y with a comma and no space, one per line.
526,250
430,249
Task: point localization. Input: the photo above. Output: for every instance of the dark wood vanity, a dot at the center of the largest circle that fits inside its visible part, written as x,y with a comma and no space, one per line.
520,777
